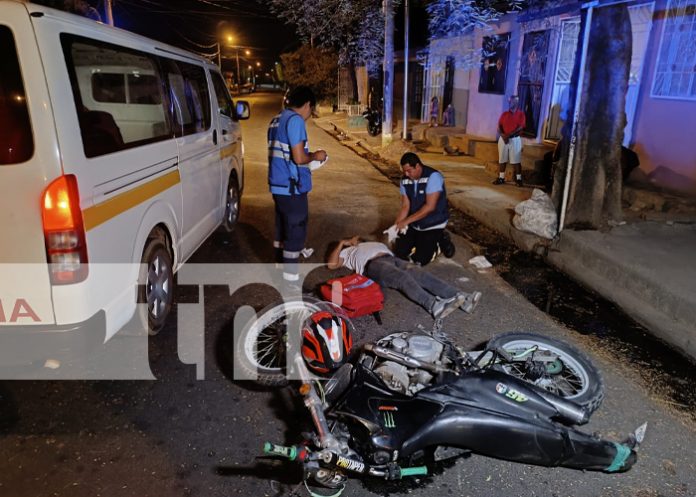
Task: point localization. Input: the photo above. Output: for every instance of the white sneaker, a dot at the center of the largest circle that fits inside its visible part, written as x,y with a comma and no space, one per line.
470,301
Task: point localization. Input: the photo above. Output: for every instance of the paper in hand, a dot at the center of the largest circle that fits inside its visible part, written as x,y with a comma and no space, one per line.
315,164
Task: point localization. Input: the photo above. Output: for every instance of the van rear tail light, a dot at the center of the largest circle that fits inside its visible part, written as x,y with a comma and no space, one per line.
64,233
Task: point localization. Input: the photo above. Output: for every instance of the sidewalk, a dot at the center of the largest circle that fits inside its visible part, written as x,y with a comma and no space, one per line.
648,268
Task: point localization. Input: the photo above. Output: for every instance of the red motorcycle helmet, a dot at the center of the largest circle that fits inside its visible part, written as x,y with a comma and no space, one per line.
326,342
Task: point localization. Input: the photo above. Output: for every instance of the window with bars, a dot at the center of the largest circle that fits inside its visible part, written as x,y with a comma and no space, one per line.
675,71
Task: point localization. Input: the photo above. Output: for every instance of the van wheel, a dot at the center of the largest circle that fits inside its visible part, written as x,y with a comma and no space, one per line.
232,205
157,281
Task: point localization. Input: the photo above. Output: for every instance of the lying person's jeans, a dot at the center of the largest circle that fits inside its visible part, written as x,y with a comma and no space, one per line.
413,281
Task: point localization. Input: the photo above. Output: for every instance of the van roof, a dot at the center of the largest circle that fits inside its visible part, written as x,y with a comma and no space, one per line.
104,28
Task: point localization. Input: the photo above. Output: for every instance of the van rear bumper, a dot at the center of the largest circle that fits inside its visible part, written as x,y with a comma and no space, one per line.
22,345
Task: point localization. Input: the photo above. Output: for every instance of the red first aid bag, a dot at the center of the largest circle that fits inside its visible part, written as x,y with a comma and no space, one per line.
358,295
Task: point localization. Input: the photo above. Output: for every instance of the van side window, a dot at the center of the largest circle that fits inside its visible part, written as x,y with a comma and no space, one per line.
16,140
109,88
224,101
119,95
190,98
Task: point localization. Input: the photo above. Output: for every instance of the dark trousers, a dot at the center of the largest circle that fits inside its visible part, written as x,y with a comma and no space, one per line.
291,218
418,246
416,283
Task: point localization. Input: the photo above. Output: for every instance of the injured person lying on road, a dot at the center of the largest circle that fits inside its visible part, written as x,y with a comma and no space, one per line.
377,262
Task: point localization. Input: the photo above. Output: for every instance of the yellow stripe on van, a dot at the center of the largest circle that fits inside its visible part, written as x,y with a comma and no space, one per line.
228,150
101,213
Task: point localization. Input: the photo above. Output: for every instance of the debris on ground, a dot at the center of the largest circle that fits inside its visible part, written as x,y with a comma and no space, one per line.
537,215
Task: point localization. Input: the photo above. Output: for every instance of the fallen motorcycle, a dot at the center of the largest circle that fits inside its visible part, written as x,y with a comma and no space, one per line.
414,396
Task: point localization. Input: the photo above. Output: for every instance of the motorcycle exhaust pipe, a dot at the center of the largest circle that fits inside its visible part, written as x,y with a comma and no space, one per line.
404,359
568,411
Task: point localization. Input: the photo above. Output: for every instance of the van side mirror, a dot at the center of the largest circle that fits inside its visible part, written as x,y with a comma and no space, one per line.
242,110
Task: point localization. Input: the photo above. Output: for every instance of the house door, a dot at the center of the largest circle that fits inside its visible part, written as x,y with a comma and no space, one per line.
570,31
434,76
449,83
641,23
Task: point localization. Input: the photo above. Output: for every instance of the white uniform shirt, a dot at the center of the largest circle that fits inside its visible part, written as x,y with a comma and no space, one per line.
356,258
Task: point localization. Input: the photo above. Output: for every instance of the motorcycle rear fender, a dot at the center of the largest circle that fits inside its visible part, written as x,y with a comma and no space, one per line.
517,439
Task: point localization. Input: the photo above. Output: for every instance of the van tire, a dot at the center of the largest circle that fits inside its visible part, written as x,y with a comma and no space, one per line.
232,205
156,288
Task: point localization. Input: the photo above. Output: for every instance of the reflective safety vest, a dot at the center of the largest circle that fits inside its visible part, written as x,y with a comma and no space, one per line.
415,191
284,176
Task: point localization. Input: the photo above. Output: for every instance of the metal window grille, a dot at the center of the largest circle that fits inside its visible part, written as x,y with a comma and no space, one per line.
675,71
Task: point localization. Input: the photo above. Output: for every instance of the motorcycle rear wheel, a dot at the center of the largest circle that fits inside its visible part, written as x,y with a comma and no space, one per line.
574,376
373,129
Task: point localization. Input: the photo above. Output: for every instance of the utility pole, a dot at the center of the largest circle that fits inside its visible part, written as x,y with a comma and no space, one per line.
404,134
388,90
239,76
108,12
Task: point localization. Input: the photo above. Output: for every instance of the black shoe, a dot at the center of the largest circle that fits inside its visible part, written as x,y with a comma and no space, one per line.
446,245
499,181
518,182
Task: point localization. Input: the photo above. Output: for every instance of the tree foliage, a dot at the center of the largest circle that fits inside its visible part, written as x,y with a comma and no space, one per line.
313,67
451,18
352,28
455,18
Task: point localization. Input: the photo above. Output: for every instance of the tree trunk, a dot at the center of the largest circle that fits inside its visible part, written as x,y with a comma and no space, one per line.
388,93
595,188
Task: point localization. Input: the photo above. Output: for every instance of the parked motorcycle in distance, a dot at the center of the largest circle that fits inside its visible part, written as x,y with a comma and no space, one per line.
374,121
413,398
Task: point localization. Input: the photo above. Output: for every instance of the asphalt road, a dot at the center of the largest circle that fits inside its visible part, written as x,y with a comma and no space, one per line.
181,436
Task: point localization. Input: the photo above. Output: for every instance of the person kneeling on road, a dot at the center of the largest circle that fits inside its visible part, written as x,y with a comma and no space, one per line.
423,214
377,262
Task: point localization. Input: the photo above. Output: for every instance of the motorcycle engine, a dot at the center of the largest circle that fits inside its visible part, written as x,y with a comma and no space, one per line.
404,379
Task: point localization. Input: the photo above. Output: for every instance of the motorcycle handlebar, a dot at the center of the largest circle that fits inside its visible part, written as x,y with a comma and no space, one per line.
272,449
333,460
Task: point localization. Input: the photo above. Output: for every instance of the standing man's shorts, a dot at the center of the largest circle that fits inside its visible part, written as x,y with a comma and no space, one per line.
510,152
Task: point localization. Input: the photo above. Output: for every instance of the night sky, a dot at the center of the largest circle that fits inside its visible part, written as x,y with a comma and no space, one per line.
196,25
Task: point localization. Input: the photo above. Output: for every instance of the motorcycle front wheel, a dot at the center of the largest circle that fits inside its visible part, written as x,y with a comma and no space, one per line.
571,376
261,351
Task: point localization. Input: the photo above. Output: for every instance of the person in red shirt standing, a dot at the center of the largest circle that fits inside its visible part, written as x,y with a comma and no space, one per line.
510,125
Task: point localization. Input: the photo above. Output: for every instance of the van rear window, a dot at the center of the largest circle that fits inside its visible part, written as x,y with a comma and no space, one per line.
16,141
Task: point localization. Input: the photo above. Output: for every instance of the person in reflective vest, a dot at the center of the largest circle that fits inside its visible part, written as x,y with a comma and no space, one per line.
423,213
290,177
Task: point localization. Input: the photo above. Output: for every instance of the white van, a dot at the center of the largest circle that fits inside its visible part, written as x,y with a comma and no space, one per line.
114,148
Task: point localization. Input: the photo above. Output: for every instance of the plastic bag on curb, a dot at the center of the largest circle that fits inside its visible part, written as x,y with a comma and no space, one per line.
536,215
480,262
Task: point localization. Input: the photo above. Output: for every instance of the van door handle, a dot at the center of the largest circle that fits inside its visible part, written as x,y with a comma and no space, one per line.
224,131
214,137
